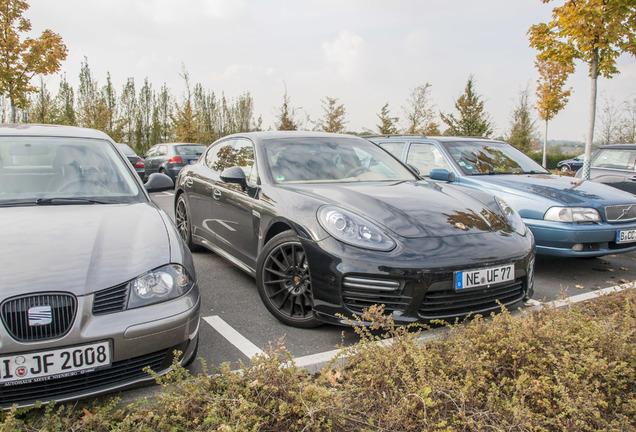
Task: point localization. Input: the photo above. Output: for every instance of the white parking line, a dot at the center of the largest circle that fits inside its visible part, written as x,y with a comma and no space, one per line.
234,337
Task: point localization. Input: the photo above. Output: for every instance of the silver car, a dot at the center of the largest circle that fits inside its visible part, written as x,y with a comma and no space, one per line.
96,283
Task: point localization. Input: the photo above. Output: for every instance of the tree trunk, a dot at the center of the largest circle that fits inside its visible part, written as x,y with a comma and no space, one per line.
545,145
11,110
592,117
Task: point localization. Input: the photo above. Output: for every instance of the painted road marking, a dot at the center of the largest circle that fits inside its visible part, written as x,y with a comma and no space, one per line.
234,337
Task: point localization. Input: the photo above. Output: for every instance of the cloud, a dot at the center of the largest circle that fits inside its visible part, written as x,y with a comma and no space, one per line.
346,53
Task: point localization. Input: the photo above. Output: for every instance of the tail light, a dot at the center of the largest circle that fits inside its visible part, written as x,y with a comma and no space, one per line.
175,159
139,163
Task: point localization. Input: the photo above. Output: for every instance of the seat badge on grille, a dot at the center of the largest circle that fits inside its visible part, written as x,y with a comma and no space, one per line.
40,316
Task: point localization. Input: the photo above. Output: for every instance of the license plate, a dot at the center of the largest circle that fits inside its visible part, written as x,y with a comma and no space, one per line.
484,277
626,236
59,363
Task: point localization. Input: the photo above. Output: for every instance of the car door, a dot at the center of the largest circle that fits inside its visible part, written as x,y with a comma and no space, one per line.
200,185
236,210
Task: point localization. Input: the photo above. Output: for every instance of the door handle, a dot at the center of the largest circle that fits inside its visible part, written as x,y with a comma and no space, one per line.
216,194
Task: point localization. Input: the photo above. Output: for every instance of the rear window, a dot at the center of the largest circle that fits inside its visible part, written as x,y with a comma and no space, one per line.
184,150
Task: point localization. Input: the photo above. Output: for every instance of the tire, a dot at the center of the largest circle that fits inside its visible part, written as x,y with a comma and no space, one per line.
565,168
182,222
284,282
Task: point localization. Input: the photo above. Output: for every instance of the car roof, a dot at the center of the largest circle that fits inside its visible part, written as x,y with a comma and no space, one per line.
47,130
267,135
619,146
435,138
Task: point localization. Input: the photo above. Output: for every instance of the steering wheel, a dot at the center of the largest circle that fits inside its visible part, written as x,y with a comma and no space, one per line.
100,187
356,171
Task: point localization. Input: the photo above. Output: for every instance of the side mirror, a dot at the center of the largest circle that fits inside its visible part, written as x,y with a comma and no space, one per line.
234,175
442,174
158,182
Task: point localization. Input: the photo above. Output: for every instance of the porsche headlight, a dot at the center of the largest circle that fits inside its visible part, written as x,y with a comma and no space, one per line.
513,217
159,285
572,214
355,230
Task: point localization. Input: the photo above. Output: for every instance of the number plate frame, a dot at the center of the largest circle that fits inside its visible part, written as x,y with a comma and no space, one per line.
626,236
484,277
56,363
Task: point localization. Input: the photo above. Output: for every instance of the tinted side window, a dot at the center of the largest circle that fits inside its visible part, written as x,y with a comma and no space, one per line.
162,150
217,155
242,155
615,159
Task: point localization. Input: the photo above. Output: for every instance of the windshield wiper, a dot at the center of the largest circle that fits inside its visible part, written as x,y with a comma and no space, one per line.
66,201
535,172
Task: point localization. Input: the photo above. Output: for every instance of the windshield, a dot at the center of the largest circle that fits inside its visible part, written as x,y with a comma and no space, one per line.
331,159
51,170
479,157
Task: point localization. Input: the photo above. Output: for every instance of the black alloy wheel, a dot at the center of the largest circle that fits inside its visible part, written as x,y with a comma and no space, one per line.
284,281
182,221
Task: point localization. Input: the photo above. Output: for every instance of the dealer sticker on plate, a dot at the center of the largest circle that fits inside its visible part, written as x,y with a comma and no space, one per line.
59,363
484,277
626,236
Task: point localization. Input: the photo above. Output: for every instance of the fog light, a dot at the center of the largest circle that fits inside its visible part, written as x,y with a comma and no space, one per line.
578,247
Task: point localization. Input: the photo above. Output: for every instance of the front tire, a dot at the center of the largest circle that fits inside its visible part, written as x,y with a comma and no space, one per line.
182,221
565,168
284,282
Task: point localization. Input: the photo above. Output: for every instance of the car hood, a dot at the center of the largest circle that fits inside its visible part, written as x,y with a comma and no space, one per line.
538,192
414,209
79,248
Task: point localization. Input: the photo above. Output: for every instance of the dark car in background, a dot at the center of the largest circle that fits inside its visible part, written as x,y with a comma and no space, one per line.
332,224
567,217
169,158
135,160
96,283
573,164
615,165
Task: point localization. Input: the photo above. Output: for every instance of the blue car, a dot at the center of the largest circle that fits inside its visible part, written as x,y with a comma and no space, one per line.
568,217
574,164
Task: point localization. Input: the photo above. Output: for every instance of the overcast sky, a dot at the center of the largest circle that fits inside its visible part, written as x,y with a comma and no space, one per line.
363,52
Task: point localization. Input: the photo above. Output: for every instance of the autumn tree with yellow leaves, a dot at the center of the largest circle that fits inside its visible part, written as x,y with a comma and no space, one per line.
595,32
22,59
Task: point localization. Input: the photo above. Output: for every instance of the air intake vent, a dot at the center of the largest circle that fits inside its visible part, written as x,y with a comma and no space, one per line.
39,317
110,300
621,213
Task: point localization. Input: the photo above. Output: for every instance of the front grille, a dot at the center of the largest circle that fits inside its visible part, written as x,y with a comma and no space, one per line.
118,374
621,213
39,317
361,293
451,304
110,300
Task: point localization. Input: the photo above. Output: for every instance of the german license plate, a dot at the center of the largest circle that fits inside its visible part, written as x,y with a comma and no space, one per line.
59,363
626,236
484,277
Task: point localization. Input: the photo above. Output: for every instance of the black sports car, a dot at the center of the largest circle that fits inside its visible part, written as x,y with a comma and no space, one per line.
331,224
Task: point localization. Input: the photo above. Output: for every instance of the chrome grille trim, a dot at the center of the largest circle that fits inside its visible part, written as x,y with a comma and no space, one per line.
353,282
620,213
15,316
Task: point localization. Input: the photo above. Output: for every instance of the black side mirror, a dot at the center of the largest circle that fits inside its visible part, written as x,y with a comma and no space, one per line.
442,174
158,182
234,175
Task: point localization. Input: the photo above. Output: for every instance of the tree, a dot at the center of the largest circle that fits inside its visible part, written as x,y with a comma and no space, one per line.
113,129
551,96
128,112
628,123
419,112
44,109
472,120
21,60
92,109
286,115
185,120
387,123
593,31
609,122
522,129
65,104
334,116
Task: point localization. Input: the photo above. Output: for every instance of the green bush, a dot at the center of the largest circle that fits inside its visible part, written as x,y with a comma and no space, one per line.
552,159
568,369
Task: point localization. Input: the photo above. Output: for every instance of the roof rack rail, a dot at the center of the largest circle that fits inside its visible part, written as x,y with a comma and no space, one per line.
394,135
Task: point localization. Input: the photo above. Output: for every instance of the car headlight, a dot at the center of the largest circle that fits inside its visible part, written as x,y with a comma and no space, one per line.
165,283
513,217
572,214
355,230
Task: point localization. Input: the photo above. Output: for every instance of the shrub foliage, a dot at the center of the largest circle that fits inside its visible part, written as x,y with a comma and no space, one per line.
569,369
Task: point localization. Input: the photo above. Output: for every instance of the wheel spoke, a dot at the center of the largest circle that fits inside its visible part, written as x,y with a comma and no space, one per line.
282,304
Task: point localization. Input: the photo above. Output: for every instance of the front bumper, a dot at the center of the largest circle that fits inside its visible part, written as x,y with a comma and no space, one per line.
416,282
138,338
578,240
